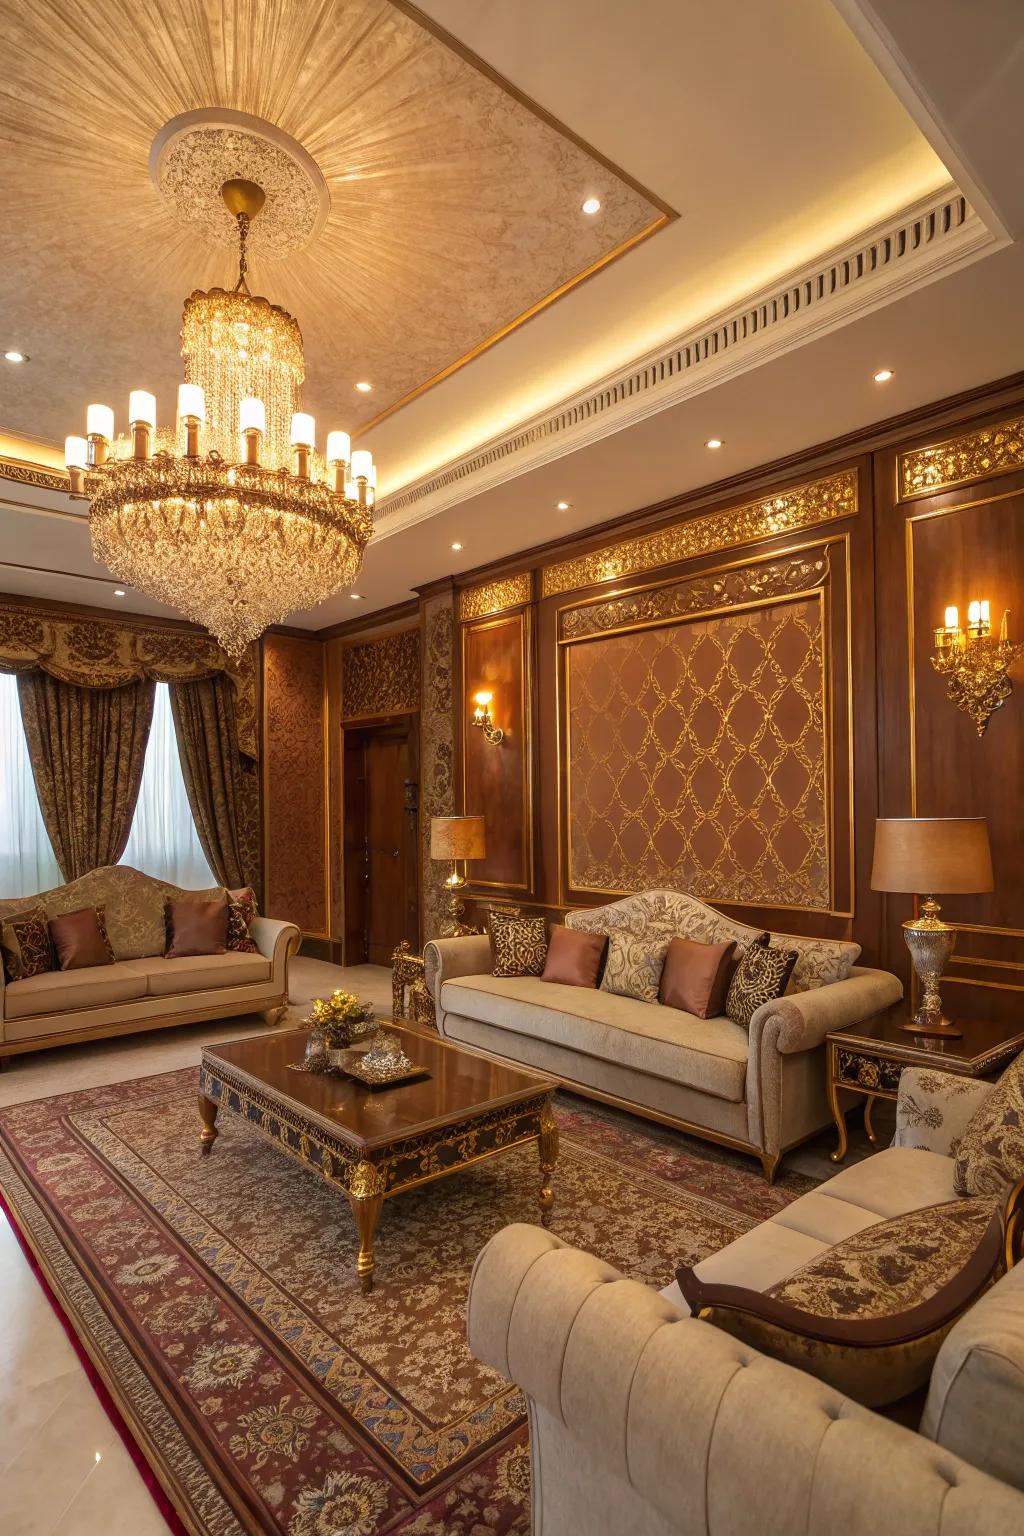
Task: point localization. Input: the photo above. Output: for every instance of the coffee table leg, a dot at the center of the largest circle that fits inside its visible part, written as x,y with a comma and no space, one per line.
547,1144
208,1114
366,1196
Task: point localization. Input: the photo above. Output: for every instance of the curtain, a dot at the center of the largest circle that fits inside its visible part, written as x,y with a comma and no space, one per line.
204,722
27,862
87,747
163,841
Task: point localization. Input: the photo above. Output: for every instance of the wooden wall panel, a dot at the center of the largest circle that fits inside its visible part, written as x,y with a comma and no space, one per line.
295,807
497,779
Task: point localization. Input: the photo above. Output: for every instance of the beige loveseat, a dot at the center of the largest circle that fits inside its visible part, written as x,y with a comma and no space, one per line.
142,989
643,1419
761,1091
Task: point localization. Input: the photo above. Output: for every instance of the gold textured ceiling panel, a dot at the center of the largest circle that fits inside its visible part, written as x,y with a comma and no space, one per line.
454,203
805,506
697,759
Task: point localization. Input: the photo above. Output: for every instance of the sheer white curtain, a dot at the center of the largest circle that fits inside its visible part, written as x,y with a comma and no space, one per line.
163,840
27,864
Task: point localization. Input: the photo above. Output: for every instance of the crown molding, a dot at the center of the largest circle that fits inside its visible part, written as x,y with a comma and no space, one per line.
929,240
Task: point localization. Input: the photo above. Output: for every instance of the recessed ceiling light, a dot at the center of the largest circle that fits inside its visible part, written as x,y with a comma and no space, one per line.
883,376
713,442
456,547
363,387
592,205
356,597
563,506
14,356
119,592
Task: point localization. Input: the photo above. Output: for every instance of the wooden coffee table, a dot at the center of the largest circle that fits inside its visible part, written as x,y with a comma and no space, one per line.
376,1143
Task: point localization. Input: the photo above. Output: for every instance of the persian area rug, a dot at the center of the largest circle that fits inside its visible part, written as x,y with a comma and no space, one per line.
217,1297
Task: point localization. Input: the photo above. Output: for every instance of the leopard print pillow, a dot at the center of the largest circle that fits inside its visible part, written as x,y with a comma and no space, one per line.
760,977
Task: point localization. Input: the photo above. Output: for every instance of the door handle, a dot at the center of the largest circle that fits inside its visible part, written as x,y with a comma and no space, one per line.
397,853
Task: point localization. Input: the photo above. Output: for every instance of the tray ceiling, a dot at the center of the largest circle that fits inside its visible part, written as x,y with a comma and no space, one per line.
454,204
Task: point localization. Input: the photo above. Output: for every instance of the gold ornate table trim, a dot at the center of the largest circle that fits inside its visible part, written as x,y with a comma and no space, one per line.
370,1175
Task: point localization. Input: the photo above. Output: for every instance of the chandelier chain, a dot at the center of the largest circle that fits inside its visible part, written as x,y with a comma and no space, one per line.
243,266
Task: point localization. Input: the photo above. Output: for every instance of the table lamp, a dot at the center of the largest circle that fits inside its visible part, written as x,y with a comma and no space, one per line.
918,854
453,838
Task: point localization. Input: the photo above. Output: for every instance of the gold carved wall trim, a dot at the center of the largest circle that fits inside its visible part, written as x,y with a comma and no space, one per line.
805,506
754,583
103,653
381,676
996,450
495,596
36,475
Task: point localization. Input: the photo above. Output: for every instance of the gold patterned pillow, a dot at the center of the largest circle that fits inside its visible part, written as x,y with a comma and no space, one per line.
990,1154
634,964
25,942
520,946
760,977
241,911
869,1314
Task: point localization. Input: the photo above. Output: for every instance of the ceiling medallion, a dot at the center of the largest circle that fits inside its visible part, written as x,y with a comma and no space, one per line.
230,516
196,153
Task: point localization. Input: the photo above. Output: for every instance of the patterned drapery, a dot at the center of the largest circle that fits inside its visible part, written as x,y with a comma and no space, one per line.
204,722
102,653
87,747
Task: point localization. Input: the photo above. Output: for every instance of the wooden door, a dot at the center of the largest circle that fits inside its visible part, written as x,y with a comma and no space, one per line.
381,894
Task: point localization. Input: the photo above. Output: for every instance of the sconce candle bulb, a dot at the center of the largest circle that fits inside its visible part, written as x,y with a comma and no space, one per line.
482,718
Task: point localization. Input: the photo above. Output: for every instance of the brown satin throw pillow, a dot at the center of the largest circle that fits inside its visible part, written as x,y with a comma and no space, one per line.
696,977
80,939
196,928
576,959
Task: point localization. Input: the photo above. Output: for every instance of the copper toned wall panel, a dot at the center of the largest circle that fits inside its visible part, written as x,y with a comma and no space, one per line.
381,676
497,776
698,758
296,875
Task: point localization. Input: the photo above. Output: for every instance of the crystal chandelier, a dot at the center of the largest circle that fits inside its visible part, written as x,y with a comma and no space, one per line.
232,516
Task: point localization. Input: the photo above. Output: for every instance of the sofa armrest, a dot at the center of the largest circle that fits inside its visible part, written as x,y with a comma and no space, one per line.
933,1108
801,1020
445,958
699,1426
277,942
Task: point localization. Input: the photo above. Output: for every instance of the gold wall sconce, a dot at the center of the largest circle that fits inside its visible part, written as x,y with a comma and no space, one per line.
975,663
482,717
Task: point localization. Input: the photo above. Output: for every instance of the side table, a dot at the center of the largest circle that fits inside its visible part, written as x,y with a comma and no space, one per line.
869,1059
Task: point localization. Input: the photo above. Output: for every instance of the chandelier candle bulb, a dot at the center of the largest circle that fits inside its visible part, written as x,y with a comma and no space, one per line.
142,419
99,427
362,465
303,437
76,457
191,402
252,422
339,451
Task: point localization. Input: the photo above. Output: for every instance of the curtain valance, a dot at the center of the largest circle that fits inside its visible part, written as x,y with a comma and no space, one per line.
101,653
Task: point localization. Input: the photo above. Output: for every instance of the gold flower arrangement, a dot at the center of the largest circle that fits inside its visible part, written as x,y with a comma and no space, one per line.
341,1019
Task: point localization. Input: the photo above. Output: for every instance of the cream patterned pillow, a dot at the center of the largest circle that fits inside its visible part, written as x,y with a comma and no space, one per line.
990,1154
819,962
520,946
635,963
760,977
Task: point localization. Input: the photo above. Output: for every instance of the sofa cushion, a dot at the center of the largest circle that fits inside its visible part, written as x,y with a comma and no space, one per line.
977,1385
25,942
868,1315
80,940
760,977
64,991
990,1152
196,928
696,976
519,945
163,977
634,964
133,904
574,959
707,1054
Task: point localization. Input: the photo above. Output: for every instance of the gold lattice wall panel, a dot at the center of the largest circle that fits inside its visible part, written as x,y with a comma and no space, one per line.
697,759
381,676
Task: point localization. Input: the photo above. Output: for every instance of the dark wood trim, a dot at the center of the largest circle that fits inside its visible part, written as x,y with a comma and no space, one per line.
380,619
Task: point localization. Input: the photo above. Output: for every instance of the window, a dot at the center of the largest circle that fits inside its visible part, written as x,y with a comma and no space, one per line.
27,863
163,840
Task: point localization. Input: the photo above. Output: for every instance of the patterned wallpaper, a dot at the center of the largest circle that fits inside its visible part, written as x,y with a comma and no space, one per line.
437,749
294,784
381,676
697,758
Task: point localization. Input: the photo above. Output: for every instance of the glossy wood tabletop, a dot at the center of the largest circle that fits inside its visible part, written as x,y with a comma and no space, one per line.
982,1039
460,1084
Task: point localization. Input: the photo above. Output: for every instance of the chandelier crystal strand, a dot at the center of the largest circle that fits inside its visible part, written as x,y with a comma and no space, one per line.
232,517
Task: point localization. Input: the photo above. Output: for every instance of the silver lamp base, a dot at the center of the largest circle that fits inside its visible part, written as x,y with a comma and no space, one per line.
931,942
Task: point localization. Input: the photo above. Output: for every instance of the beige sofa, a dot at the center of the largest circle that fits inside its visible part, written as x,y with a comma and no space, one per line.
761,1091
142,989
643,1419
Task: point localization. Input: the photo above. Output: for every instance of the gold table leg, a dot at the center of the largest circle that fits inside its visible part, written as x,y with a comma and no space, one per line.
869,1106
366,1196
840,1119
208,1114
547,1144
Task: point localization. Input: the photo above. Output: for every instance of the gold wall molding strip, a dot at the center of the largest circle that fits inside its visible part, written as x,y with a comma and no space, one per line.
994,450
820,501
24,473
495,596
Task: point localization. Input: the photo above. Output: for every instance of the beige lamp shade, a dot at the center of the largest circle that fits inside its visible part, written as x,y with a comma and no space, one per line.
457,837
932,855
